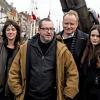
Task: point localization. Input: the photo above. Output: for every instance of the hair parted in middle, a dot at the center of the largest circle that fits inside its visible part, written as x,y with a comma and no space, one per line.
6,24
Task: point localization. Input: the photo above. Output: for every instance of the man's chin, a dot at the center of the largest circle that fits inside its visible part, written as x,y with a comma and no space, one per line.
69,32
48,40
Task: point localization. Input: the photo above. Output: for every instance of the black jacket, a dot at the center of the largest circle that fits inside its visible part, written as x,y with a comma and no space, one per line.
78,45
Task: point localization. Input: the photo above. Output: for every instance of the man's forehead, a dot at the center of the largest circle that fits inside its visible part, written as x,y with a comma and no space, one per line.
47,23
70,16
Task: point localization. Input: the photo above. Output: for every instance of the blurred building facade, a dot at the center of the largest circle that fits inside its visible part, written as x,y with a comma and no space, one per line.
24,19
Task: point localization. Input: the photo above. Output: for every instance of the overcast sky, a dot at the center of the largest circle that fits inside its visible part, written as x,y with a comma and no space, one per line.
44,6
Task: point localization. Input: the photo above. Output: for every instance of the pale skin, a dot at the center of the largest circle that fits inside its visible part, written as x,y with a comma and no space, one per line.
95,40
95,37
46,31
11,35
70,23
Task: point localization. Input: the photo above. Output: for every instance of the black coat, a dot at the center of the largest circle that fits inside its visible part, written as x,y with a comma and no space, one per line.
78,45
91,81
91,74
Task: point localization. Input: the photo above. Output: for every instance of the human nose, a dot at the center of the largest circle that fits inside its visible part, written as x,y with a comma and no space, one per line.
49,30
95,37
68,25
10,30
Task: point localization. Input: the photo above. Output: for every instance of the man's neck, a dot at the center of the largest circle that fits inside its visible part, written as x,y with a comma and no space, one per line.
65,36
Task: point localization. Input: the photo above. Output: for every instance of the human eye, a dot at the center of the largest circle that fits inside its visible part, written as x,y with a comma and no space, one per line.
46,29
52,29
65,23
92,35
98,36
7,29
13,29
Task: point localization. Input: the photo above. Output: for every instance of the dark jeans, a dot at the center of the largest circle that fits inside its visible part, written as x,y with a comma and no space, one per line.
3,97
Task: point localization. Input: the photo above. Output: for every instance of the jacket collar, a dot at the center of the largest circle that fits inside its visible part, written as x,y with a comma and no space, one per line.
35,39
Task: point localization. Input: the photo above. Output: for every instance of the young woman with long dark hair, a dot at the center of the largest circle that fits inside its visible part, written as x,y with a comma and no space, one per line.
90,66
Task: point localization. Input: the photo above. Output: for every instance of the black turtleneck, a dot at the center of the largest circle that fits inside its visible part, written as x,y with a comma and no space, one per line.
44,46
9,54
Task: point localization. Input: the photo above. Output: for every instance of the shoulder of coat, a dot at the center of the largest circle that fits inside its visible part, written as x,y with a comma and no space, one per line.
61,47
24,45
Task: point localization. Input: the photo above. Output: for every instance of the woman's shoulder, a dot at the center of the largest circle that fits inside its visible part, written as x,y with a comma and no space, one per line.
1,42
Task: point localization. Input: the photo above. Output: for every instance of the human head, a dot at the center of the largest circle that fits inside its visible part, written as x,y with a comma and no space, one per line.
7,24
46,30
70,22
95,35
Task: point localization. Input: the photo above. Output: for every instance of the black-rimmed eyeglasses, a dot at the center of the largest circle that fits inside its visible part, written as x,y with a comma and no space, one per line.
47,29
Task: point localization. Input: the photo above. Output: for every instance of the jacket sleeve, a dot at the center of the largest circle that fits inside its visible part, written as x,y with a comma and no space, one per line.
14,76
72,77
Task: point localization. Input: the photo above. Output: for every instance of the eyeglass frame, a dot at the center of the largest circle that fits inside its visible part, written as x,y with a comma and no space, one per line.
47,29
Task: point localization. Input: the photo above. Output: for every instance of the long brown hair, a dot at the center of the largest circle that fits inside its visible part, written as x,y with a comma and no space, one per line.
89,52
